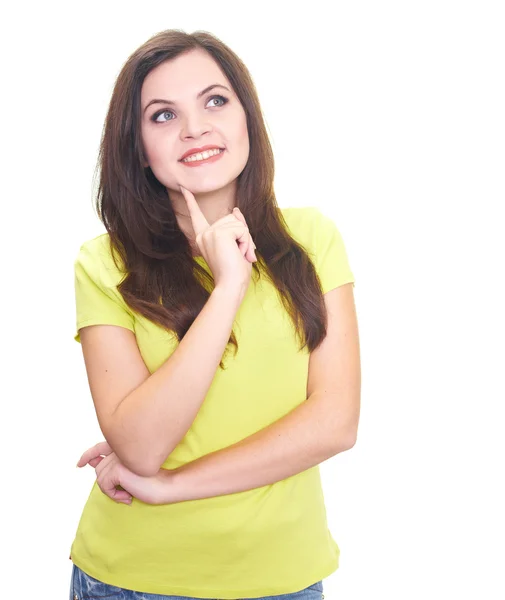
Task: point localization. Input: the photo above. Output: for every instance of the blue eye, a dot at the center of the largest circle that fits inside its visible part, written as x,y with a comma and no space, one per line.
154,118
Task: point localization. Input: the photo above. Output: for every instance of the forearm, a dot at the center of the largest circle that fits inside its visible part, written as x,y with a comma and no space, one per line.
298,441
152,419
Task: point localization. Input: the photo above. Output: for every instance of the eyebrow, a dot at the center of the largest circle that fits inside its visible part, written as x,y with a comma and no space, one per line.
199,95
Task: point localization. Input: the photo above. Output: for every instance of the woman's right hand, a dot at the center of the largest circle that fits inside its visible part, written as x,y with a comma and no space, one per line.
225,245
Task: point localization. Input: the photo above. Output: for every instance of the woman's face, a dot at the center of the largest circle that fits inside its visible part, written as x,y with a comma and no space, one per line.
174,119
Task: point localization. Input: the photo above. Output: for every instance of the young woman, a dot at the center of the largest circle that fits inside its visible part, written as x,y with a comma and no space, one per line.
220,340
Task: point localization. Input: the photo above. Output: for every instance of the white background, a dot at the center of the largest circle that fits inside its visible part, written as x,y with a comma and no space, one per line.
390,117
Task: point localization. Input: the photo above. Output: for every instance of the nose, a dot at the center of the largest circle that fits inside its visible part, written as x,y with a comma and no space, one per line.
194,126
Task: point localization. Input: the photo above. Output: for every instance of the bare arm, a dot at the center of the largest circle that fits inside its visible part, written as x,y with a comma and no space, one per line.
302,439
143,416
322,426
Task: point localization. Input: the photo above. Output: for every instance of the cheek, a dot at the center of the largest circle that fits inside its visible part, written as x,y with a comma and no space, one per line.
244,126
152,145
159,150
159,158
244,136
147,145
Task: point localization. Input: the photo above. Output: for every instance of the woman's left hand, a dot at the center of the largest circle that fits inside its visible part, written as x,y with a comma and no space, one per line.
110,472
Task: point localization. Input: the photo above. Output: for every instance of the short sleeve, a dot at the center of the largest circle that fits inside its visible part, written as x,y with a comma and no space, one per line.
97,300
331,260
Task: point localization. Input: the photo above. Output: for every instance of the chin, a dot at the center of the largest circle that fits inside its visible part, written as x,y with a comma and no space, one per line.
204,185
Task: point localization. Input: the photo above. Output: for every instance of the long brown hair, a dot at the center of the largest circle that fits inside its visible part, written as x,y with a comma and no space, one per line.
163,282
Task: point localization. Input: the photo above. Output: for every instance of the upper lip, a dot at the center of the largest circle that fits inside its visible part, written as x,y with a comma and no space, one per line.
195,150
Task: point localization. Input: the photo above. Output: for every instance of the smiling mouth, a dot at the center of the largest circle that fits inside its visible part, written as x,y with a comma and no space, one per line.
202,156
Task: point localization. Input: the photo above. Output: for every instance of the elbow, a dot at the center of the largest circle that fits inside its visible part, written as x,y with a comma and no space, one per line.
347,433
142,468
344,440
351,440
148,470
136,460
137,457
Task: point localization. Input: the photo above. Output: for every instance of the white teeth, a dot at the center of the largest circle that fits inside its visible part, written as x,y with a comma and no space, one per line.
202,155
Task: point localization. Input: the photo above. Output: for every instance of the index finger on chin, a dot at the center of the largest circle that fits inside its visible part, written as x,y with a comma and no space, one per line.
198,219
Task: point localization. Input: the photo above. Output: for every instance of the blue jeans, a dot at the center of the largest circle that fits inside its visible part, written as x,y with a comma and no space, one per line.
85,587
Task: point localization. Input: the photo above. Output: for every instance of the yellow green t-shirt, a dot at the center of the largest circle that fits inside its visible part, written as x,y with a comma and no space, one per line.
266,541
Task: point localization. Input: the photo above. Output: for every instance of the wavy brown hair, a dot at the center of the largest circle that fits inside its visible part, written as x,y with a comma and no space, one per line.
163,282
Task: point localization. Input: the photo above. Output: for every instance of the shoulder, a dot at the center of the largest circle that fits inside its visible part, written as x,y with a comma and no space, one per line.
303,217
307,223
97,246
299,214
95,257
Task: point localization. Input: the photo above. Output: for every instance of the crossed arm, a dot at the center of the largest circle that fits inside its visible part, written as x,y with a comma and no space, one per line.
321,427
300,440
